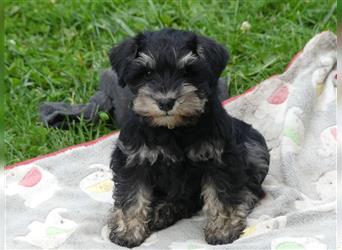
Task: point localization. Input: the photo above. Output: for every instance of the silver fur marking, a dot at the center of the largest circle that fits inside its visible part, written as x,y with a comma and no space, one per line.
186,60
200,52
144,152
224,223
132,225
146,60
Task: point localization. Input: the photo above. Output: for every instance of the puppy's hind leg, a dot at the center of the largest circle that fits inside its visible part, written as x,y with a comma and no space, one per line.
225,222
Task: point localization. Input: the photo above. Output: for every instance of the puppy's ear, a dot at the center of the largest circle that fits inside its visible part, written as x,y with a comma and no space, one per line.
121,55
192,43
215,54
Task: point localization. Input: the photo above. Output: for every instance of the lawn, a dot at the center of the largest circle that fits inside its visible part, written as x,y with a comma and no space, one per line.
55,50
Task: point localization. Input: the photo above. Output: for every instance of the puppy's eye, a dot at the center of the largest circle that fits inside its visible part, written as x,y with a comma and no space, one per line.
148,73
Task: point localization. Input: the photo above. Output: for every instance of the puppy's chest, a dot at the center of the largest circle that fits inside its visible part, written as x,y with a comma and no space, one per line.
152,155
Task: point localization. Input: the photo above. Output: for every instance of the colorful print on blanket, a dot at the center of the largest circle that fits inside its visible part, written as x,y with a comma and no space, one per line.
62,201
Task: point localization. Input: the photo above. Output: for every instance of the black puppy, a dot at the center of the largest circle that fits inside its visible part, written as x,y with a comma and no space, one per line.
179,150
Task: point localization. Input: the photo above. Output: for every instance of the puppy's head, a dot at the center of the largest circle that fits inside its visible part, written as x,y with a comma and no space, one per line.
171,73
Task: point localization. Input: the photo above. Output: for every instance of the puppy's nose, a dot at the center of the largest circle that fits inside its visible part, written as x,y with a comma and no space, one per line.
166,104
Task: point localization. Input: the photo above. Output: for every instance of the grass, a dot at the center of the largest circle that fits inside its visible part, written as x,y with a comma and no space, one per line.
55,51
1,86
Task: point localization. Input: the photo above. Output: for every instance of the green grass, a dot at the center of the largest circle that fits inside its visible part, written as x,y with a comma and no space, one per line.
1,85
55,51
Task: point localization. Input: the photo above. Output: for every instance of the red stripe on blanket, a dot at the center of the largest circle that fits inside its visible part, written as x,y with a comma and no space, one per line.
293,59
84,144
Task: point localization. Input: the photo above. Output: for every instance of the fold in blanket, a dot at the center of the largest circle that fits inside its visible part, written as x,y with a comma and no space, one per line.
110,98
62,200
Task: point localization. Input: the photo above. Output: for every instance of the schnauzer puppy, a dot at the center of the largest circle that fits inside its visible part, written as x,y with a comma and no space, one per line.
179,151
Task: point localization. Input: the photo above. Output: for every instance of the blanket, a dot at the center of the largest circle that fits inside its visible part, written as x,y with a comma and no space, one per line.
62,200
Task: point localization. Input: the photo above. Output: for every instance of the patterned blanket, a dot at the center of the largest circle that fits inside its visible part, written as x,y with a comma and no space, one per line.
62,200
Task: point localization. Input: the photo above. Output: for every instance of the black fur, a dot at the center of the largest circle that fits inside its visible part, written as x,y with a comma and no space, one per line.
204,147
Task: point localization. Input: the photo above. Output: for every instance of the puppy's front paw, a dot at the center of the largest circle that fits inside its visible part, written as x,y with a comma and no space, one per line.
126,231
130,238
218,237
224,230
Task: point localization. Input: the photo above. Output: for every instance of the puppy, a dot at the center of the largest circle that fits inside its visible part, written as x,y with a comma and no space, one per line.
179,151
